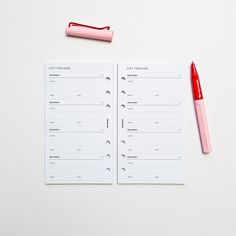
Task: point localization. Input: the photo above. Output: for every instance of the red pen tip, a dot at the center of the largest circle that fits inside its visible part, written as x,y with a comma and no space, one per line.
197,91
193,69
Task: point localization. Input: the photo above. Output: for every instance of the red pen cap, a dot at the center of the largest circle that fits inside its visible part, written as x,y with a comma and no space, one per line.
197,91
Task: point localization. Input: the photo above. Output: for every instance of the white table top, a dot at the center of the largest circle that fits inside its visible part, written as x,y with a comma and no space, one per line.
32,32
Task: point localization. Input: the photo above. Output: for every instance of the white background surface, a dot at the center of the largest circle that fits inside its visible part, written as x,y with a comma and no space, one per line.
32,32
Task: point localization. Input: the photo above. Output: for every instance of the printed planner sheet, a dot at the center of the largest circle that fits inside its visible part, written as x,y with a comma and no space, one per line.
150,123
79,123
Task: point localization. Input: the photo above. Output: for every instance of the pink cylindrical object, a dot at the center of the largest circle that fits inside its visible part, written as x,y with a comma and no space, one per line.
202,125
85,32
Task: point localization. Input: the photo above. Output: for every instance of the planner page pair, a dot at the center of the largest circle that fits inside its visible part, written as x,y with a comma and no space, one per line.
110,123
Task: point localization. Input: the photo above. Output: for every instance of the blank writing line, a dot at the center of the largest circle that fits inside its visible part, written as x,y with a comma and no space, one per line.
56,104
154,105
156,159
155,77
75,77
75,159
76,132
162,132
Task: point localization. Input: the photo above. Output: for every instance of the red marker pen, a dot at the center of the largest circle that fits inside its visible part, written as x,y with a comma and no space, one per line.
200,111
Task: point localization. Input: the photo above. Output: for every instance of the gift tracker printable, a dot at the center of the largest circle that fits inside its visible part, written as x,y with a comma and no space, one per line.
149,129
79,122
150,123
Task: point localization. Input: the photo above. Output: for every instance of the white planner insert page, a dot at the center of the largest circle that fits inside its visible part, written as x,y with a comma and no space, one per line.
150,123
79,120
